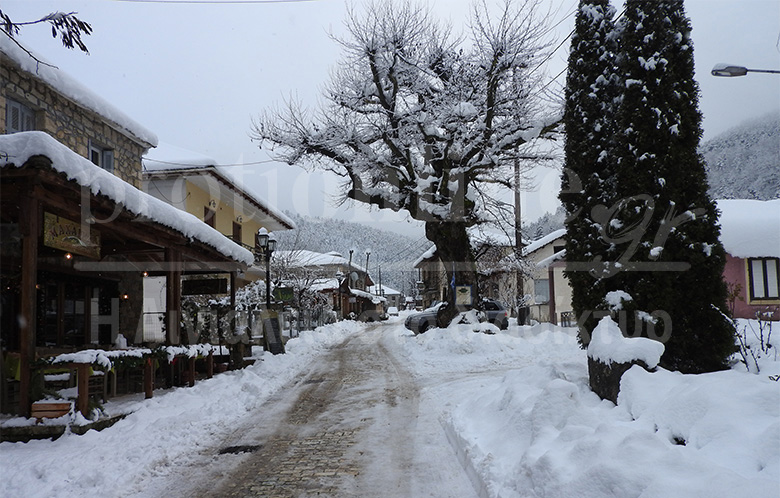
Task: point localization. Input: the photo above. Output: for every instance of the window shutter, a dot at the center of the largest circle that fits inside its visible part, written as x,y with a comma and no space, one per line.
13,119
108,160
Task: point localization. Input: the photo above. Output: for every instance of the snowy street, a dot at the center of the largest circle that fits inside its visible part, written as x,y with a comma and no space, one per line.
354,425
357,409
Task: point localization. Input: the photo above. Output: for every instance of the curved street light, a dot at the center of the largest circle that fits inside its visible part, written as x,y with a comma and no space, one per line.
730,70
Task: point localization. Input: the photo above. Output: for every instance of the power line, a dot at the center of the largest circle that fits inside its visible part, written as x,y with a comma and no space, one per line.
215,2
215,164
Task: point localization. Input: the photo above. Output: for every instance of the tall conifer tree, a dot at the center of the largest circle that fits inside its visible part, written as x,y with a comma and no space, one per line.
665,224
588,179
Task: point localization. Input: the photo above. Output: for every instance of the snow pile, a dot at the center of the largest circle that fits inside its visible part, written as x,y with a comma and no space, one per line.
20,147
538,430
162,433
609,346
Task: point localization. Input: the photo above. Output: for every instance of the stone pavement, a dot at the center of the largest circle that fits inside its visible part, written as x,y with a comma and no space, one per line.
285,467
353,426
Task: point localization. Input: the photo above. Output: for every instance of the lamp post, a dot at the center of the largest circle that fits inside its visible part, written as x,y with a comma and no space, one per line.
730,70
267,243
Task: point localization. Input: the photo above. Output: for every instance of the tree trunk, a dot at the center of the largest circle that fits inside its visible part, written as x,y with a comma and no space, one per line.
454,250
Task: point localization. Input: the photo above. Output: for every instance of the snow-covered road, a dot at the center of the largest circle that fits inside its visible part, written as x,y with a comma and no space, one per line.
372,410
354,425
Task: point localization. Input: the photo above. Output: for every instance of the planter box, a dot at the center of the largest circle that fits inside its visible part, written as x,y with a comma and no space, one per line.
50,409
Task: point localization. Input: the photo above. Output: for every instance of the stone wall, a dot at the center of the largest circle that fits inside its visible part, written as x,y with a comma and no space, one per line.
70,123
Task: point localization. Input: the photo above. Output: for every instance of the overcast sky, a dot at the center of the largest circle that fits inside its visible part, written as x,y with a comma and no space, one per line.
196,75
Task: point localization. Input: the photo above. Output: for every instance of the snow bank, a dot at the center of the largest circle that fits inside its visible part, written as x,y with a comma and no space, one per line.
609,346
539,431
162,433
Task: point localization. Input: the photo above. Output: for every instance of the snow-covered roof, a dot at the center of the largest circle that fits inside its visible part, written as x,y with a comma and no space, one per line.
539,243
323,284
303,259
388,291
72,89
546,262
20,147
750,228
426,255
366,295
172,159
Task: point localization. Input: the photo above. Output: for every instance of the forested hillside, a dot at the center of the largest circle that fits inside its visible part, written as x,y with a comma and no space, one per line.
744,162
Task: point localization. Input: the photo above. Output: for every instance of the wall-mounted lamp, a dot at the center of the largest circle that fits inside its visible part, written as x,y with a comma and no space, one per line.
212,203
125,297
146,274
68,255
239,219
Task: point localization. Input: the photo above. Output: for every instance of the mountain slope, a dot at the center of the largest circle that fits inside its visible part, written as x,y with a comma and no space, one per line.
394,254
744,162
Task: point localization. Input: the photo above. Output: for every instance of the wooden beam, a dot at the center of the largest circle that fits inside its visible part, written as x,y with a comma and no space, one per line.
82,401
30,227
173,297
148,377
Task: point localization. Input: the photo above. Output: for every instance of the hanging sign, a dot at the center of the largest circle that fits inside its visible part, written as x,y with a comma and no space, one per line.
284,294
463,295
64,234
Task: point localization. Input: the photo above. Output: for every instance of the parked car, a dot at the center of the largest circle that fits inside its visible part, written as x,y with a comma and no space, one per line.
392,311
496,314
422,321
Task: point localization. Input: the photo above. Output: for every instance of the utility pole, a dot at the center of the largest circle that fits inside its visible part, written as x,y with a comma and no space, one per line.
518,243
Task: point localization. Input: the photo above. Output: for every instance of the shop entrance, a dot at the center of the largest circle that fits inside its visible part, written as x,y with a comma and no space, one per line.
74,312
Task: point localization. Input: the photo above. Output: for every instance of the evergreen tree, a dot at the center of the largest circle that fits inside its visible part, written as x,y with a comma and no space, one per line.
665,224
587,181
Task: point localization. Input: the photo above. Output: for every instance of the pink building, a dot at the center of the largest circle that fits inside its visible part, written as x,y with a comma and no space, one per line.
750,233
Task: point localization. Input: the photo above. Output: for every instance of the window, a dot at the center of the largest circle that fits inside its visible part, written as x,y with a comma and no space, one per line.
102,157
236,232
541,291
764,278
209,216
18,117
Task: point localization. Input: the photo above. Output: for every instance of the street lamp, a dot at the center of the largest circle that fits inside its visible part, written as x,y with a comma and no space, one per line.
729,70
267,243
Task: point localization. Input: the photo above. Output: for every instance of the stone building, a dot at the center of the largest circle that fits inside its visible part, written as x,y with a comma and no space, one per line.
78,235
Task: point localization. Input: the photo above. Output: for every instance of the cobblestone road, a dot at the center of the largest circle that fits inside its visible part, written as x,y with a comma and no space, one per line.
352,427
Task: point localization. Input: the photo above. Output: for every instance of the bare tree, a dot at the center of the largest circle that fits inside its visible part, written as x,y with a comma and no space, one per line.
416,119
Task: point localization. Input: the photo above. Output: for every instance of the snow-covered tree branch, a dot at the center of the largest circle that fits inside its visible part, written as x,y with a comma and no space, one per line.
416,119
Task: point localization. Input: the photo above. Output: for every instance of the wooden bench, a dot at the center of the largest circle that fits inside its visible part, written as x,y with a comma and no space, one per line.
50,409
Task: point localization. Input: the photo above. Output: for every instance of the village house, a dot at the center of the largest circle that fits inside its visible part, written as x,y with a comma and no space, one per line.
546,289
342,279
79,236
546,293
394,298
750,233
196,184
431,279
